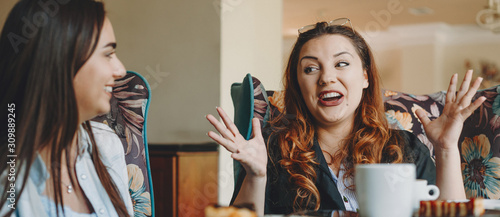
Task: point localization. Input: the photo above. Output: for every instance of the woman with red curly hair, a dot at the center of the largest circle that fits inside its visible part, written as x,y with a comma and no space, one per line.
334,119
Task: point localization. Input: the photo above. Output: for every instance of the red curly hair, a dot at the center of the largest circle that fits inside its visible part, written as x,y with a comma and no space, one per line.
369,141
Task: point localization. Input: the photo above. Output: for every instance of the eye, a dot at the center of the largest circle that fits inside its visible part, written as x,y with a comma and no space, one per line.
310,69
108,55
342,64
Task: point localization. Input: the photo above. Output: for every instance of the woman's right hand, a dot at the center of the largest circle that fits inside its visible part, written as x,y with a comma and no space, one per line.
252,154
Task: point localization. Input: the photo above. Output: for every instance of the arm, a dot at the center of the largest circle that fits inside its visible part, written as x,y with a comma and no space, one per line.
253,191
444,133
252,155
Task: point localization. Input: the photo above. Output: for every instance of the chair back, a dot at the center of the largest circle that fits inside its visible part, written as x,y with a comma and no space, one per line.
478,144
127,117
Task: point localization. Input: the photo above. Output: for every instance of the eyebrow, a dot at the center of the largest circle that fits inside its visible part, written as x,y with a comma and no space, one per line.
335,55
308,57
342,53
111,44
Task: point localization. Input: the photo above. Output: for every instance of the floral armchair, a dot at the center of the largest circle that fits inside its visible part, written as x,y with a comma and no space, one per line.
129,106
478,144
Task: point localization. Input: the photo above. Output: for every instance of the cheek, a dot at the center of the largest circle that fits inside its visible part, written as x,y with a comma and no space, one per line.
79,81
305,84
305,91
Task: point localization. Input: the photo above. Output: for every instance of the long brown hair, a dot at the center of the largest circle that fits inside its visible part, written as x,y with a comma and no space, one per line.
370,141
42,48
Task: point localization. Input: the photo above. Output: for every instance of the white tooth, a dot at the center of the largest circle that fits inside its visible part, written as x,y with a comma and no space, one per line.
330,95
108,89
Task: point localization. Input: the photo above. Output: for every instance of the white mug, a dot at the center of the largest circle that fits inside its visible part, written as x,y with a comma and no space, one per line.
385,190
422,191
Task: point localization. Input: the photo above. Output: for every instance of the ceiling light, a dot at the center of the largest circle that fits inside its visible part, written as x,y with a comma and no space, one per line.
489,18
420,11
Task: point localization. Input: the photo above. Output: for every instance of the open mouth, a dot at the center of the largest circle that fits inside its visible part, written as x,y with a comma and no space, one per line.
108,89
332,96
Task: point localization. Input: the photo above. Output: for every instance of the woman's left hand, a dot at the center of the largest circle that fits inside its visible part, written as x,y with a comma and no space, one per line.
444,132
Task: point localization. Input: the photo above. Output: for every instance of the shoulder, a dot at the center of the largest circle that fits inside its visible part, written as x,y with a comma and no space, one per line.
104,135
109,145
411,147
112,155
29,202
99,128
417,153
411,142
272,143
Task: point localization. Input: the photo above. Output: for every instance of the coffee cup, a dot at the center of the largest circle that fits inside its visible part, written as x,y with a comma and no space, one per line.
385,190
422,191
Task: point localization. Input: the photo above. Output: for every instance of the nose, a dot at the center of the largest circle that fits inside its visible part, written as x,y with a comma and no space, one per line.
119,70
328,76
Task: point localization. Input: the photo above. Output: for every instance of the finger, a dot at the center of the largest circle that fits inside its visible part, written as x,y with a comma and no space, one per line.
228,122
422,116
220,127
450,95
466,100
256,131
231,147
473,106
465,85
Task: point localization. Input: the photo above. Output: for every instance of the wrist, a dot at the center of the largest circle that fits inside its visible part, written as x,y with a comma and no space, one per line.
447,155
446,149
257,179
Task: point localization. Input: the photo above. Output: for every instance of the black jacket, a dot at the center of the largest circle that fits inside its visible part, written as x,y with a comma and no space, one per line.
279,196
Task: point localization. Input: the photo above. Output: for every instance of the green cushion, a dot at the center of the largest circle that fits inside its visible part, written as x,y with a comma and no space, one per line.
243,101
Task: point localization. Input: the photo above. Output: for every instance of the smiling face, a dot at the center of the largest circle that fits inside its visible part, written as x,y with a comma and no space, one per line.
93,83
331,78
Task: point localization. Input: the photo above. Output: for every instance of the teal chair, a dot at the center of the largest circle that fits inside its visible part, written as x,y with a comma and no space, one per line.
129,108
249,101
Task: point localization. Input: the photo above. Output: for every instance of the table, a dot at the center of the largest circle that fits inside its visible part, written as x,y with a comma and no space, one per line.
336,213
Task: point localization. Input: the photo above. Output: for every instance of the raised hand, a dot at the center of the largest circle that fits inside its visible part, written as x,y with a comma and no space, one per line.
252,154
444,132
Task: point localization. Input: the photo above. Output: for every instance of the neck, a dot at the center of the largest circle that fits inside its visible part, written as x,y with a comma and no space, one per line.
330,142
45,152
66,171
330,138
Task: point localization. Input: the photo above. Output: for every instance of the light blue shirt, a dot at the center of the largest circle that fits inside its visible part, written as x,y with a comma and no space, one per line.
50,209
348,196
31,203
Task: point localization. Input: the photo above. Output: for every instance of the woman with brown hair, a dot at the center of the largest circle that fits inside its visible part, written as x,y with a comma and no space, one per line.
57,71
334,119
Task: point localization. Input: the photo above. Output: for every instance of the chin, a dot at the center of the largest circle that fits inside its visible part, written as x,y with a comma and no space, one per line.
103,109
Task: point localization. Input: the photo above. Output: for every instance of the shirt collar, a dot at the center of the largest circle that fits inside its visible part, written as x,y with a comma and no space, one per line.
83,141
38,173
